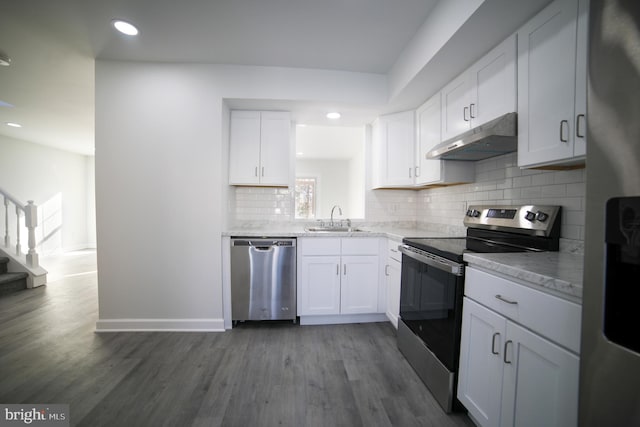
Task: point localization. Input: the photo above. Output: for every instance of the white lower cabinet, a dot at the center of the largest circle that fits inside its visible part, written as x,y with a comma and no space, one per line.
540,384
359,284
393,272
338,276
481,367
319,285
510,375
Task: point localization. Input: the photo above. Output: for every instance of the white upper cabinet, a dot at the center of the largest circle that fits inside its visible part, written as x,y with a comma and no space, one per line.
455,106
482,93
394,150
428,131
552,85
259,148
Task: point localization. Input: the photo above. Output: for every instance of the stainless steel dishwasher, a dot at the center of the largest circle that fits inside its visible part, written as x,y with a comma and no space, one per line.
263,279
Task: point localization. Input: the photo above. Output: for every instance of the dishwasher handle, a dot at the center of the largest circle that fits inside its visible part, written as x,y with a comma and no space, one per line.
263,248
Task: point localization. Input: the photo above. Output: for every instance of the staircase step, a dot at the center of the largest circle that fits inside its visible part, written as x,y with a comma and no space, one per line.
12,282
4,262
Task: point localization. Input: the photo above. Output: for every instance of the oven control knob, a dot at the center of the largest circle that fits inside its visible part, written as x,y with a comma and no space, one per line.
530,216
473,213
541,216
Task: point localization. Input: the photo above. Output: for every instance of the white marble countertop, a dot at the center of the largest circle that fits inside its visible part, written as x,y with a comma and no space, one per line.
391,232
558,273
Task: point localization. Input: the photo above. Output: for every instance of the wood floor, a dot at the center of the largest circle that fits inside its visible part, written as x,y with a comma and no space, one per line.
264,374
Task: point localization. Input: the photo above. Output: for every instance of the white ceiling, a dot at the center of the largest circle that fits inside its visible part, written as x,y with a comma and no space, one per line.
53,45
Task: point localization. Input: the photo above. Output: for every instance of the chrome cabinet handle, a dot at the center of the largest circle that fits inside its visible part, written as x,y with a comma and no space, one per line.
562,125
386,270
256,171
493,343
503,299
508,362
410,172
417,172
263,171
578,117
471,111
464,114
337,269
345,269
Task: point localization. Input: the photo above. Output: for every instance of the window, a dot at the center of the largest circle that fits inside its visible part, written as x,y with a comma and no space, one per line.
305,198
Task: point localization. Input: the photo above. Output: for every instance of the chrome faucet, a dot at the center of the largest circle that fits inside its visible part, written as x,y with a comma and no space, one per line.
339,212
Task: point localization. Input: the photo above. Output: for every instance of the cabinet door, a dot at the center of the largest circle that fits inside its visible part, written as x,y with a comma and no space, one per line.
580,125
493,84
393,271
318,285
359,289
546,84
481,364
244,147
429,123
455,107
398,141
540,385
275,152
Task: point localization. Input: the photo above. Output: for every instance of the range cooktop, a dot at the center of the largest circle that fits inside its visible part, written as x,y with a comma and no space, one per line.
451,248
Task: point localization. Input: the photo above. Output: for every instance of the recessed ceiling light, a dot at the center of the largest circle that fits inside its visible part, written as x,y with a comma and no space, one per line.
125,28
301,125
299,154
5,60
14,125
334,115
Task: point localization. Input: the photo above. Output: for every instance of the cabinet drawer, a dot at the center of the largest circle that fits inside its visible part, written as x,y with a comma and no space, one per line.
318,246
550,316
393,252
360,246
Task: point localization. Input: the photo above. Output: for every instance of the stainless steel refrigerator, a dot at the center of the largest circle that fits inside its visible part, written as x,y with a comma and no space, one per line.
610,353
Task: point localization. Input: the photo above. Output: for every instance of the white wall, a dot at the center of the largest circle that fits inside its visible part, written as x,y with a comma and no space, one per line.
59,182
160,181
158,194
332,176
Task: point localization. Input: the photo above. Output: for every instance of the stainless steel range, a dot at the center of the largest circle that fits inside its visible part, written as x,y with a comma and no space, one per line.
432,285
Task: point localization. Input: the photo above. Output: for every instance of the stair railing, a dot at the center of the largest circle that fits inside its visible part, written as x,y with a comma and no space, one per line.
30,212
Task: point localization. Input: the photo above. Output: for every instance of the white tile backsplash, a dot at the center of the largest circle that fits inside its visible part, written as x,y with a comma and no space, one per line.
498,180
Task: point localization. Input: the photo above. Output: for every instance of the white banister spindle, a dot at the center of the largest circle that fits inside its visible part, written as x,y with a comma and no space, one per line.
31,222
7,239
18,247
30,212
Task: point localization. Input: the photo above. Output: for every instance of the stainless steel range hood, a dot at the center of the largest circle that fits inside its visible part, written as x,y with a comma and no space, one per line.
494,138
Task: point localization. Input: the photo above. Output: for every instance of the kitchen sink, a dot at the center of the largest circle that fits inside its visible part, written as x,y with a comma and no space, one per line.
333,229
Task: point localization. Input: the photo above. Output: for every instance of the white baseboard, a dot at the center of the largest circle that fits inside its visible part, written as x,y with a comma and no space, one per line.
343,318
160,325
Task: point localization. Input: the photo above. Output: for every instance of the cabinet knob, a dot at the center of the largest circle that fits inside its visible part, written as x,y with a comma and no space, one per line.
579,119
493,343
563,124
503,299
504,358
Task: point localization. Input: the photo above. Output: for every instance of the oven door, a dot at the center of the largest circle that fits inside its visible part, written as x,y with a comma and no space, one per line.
431,295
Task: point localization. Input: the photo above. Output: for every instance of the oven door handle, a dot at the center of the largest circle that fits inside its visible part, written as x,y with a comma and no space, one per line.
433,261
